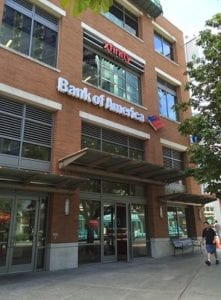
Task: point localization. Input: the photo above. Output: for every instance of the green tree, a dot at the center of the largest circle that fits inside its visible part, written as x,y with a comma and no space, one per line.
78,6
204,84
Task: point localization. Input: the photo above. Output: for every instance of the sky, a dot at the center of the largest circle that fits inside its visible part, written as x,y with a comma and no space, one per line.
190,15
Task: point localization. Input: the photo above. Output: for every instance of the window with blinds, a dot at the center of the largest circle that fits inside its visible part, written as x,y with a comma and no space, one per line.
107,140
25,132
173,158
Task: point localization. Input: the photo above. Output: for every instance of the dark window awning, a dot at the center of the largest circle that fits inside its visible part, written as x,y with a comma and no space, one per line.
188,199
108,165
37,181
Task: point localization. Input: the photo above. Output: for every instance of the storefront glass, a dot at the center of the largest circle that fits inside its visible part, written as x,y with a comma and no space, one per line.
22,232
138,230
89,231
177,222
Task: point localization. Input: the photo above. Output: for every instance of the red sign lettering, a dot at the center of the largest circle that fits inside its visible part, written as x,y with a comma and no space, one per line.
117,52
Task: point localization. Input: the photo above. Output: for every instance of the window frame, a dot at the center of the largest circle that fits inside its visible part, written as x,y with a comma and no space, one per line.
169,90
119,139
164,42
126,70
125,14
37,15
34,133
171,160
181,230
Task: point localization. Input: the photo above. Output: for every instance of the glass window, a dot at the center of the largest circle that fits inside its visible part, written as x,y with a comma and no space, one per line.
167,99
89,231
97,185
162,46
118,188
92,185
10,147
177,222
111,77
137,190
29,30
30,140
138,230
90,67
110,141
114,149
123,18
173,158
36,152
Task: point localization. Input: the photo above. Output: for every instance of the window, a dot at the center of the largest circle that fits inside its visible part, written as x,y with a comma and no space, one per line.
138,230
123,18
111,76
162,46
89,231
177,226
25,132
110,141
30,30
167,99
173,158
110,187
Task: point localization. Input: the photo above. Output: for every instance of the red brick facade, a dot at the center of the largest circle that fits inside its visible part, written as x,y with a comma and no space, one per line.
23,73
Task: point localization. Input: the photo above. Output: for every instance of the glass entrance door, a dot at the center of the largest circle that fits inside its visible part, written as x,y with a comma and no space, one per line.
5,223
18,233
122,232
115,231
109,231
23,237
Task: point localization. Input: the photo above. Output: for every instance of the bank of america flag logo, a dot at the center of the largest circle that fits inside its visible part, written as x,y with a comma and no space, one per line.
155,122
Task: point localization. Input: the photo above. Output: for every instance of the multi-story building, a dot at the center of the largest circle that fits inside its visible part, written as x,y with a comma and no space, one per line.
90,153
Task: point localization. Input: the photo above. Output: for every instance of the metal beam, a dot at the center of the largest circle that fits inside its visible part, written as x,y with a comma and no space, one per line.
34,188
104,174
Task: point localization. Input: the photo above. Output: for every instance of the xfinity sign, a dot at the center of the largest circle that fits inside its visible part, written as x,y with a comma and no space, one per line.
98,100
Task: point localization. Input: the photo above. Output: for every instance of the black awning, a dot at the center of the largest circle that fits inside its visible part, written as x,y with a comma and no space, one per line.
38,181
188,199
92,161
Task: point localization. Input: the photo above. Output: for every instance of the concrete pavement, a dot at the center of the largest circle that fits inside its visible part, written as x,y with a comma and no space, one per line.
169,278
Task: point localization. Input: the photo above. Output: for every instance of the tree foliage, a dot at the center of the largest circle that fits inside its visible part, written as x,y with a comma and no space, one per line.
204,84
78,6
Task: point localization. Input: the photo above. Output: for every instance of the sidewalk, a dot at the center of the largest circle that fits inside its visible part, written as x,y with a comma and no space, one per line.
170,278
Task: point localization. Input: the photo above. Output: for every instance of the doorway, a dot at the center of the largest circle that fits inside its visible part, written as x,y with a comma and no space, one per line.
21,231
115,232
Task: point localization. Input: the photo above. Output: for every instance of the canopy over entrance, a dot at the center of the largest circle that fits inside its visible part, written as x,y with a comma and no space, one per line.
108,165
37,181
188,199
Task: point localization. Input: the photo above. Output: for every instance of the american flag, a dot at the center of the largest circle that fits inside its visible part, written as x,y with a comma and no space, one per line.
155,122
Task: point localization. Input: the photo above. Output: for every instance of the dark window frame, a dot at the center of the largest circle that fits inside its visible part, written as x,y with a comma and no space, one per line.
177,226
97,77
164,45
34,135
35,31
173,158
117,140
168,91
126,16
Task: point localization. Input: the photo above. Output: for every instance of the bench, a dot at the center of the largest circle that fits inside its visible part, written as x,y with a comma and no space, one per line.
184,243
